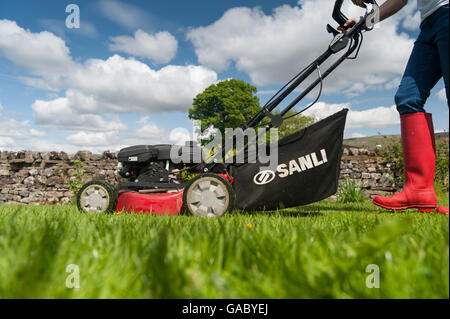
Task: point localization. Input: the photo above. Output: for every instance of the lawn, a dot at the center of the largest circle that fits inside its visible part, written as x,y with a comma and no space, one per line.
315,251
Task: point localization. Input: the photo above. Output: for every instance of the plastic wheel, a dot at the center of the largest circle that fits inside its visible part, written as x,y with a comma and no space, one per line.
97,197
208,195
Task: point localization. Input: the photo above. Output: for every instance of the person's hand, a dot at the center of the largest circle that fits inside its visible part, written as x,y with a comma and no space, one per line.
359,3
349,24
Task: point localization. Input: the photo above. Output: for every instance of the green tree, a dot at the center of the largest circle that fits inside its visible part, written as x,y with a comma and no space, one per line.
227,104
294,124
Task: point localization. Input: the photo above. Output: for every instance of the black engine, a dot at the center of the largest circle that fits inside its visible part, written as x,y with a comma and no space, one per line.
150,166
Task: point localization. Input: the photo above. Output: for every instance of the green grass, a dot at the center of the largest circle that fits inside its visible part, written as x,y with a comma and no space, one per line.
315,251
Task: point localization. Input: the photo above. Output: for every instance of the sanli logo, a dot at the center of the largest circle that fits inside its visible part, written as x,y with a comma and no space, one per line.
299,165
264,177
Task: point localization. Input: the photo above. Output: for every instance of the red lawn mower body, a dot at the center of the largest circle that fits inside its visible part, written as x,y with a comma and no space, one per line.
154,204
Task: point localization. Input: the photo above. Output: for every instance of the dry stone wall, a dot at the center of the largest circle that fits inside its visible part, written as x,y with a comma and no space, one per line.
43,177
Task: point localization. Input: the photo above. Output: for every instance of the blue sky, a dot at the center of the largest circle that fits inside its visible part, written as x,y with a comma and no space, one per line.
129,73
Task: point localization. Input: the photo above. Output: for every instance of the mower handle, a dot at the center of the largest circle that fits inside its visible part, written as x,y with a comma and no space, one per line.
338,16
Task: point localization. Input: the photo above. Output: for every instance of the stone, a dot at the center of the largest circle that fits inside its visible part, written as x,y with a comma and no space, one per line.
33,172
53,194
371,169
386,180
54,156
48,172
24,193
5,172
45,156
63,156
96,157
365,175
345,152
364,151
36,155
41,179
83,155
354,151
375,176
108,155
53,180
30,180
65,200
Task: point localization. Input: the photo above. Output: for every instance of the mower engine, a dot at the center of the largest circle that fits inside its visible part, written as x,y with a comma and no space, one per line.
151,168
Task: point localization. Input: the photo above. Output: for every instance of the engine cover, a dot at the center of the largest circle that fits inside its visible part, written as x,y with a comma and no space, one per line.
144,153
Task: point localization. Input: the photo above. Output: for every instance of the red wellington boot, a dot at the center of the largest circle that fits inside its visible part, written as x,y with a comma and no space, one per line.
440,209
419,162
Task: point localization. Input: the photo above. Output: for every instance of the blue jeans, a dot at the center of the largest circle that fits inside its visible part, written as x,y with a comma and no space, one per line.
427,64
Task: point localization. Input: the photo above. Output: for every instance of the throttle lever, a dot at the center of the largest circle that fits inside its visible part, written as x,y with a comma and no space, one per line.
332,30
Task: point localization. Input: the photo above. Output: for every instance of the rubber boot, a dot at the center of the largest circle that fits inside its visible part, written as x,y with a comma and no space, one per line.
419,162
440,209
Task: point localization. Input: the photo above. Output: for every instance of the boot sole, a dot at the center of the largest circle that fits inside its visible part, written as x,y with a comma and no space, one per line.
422,209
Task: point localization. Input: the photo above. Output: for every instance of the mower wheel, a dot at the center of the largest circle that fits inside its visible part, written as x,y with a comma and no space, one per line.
208,195
97,197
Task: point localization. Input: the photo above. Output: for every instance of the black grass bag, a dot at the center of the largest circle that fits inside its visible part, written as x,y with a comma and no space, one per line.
307,171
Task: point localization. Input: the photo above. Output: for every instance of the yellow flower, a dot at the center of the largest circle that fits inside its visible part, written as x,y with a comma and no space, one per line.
250,226
117,213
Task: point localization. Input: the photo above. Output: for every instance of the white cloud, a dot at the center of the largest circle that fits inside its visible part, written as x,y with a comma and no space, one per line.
94,139
357,135
442,96
111,86
57,114
160,48
40,53
411,16
377,117
113,140
124,14
127,85
6,142
270,47
59,28
150,131
412,22
12,129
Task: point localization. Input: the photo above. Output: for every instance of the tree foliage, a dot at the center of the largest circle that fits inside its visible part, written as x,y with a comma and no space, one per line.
227,104
293,124
232,103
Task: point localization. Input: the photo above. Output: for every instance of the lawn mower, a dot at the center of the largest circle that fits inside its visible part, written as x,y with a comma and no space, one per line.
150,176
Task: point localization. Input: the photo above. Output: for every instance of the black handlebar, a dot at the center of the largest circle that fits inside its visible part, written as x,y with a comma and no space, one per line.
338,16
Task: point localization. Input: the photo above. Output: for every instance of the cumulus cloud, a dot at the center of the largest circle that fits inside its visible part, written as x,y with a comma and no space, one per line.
127,85
270,47
442,96
149,133
377,117
115,85
159,48
412,18
11,129
357,135
127,15
42,53
94,139
57,114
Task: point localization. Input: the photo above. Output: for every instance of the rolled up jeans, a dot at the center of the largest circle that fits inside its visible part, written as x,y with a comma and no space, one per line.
427,64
